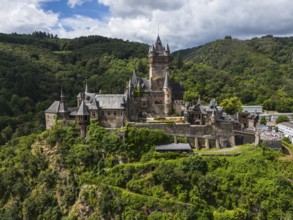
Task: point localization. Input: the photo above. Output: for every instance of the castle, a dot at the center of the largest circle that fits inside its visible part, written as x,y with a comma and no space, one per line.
156,96
148,98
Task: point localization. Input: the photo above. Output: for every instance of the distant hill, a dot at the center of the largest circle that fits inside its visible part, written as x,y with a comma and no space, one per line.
259,71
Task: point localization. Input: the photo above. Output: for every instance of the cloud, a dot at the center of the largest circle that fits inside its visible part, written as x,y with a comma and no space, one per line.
182,23
73,3
25,16
187,23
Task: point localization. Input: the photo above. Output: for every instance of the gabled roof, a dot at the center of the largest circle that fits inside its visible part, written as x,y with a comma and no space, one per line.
54,107
111,101
82,110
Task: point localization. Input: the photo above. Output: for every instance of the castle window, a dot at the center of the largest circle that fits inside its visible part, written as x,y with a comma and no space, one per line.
108,113
102,113
115,113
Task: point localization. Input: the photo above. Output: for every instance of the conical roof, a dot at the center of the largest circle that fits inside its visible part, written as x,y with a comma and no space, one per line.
158,45
134,78
62,104
198,101
83,109
166,83
86,88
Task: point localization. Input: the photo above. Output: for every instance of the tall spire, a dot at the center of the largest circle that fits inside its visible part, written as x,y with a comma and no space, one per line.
86,88
158,45
199,101
134,78
168,49
166,83
62,97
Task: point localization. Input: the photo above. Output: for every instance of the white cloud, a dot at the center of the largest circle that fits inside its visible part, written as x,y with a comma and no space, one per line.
183,23
25,16
186,23
73,3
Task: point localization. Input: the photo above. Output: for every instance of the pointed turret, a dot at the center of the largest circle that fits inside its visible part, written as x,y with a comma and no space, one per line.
82,110
168,49
167,96
62,97
166,83
198,101
134,79
83,118
86,88
63,110
158,45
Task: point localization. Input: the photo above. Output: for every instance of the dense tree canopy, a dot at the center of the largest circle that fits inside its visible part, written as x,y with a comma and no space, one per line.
231,105
282,118
58,175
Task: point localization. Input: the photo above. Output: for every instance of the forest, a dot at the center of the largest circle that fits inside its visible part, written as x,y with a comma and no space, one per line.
58,175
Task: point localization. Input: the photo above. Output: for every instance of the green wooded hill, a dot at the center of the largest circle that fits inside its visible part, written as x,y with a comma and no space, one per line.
57,175
33,67
258,71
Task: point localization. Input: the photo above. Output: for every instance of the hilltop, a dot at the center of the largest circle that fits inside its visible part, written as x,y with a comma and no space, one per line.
33,67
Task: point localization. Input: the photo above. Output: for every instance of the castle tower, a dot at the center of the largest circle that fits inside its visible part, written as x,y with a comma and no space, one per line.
63,112
167,96
158,59
83,116
57,111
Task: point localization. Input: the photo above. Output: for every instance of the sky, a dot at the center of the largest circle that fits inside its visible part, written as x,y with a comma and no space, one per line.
180,23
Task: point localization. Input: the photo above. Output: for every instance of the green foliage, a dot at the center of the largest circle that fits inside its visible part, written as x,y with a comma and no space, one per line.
72,177
263,120
231,105
282,118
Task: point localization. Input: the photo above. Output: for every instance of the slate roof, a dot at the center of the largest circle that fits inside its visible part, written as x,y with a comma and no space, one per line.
174,147
57,107
94,105
158,45
111,101
82,110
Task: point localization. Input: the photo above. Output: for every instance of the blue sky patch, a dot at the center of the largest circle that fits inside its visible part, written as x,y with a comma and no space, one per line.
90,9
